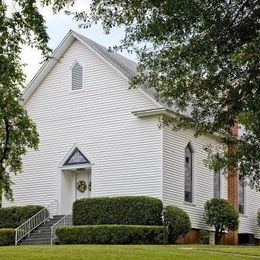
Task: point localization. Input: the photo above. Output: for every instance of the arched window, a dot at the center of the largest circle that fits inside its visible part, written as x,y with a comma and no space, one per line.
188,189
76,76
241,195
217,184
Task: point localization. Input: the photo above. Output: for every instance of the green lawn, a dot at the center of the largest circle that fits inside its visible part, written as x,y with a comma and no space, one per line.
108,252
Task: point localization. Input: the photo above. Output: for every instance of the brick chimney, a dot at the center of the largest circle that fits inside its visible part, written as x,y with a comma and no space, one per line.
233,188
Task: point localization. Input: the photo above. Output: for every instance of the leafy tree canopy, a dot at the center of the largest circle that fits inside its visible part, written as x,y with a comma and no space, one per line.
201,55
20,24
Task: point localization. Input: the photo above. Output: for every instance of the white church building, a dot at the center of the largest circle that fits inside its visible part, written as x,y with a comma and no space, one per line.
100,138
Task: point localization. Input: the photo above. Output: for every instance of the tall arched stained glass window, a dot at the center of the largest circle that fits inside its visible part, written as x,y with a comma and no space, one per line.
188,186
217,184
241,195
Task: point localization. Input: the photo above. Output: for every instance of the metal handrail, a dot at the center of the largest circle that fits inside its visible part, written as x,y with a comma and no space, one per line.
29,225
65,221
32,223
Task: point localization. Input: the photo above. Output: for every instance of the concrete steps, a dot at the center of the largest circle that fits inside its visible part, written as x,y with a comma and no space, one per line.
41,235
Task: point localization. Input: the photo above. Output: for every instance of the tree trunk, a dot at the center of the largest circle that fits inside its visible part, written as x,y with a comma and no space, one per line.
218,236
1,194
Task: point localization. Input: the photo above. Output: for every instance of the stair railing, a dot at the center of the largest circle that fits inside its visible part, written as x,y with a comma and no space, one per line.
29,225
63,222
36,220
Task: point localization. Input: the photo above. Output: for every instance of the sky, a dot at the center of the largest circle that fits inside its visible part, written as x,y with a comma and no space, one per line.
58,26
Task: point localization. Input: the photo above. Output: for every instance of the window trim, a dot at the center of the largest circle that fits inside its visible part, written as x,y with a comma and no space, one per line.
75,166
244,197
190,146
70,77
220,184
76,149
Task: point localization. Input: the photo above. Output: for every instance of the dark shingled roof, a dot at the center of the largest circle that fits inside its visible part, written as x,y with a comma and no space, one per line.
124,65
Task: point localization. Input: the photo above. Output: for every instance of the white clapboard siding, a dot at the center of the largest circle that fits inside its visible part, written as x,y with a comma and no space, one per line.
124,149
248,221
174,143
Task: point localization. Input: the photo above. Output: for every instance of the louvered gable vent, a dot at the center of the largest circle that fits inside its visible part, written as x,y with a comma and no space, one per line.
77,77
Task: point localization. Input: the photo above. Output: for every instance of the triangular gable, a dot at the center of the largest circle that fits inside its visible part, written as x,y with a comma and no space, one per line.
121,63
76,157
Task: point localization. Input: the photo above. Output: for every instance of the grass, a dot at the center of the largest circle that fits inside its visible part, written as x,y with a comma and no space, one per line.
108,252
242,250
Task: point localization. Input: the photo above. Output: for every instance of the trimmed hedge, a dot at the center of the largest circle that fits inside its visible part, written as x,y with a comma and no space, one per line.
128,210
12,217
7,237
111,234
178,223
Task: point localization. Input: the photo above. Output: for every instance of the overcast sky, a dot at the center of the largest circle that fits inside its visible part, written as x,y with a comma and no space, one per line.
58,26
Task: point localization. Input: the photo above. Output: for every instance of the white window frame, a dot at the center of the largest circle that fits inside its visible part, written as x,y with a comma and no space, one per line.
70,77
192,202
245,202
75,166
220,184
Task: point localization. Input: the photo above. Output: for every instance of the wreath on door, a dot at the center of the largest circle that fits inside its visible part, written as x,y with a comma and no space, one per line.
81,186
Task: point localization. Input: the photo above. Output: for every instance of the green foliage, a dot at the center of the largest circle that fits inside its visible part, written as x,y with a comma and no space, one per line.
17,133
132,210
111,234
7,237
178,223
204,55
20,24
204,237
220,214
12,217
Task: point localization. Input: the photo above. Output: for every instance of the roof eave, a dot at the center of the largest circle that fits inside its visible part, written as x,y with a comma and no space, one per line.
154,112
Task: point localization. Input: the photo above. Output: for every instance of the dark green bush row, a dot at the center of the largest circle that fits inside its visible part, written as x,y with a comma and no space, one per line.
12,217
111,234
132,210
7,237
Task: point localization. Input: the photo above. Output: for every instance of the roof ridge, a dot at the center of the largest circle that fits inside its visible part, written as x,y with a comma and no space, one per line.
123,64
102,46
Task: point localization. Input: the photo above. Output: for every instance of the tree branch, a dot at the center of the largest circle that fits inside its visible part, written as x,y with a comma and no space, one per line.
6,142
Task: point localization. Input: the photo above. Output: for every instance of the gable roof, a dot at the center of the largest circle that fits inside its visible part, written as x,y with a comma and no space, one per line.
125,66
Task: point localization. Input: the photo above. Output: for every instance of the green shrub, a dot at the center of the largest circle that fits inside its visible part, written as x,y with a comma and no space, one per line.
111,234
12,217
135,210
204,236
178,223
222,215
7,237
